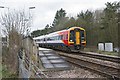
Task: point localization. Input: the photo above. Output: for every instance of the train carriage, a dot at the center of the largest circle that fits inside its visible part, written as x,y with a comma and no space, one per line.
70,39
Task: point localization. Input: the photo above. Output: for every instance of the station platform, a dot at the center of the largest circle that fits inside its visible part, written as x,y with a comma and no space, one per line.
50,60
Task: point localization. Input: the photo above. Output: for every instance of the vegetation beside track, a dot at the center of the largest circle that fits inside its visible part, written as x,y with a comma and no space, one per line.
91,49
6,73
5,69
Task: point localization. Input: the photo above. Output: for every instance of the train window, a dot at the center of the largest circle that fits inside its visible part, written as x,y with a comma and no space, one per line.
54,38
44,39
63,37
38,40
57,37
51,39
60,37
72,36
82,34
48,39
66,37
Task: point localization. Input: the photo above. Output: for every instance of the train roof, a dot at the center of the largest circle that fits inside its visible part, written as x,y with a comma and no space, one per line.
39,37
49,35
76,27
56,33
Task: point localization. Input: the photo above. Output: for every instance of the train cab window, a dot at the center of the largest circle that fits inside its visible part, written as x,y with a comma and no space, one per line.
72,36
82,34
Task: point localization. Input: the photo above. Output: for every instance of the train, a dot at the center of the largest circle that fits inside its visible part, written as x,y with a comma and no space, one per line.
73,38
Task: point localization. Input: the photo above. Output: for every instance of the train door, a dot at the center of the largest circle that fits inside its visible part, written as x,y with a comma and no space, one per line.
77,34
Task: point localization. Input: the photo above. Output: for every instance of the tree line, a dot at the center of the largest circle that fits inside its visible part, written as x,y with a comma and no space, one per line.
101,25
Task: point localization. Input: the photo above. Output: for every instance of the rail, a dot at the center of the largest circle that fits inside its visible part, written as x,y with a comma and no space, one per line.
101,56
95,55
105,70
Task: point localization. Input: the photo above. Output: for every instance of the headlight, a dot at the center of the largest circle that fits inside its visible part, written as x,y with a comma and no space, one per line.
71,40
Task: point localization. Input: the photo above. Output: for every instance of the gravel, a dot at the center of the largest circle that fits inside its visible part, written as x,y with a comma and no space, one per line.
76,72
103,62
72,73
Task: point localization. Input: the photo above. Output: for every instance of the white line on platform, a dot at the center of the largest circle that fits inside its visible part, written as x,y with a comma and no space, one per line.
44,48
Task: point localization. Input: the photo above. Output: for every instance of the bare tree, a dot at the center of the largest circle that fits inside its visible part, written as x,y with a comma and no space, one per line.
17,20
16,24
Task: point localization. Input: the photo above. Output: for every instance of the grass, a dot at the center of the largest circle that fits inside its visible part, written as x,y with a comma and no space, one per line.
108,53
0,71
100,52
6,73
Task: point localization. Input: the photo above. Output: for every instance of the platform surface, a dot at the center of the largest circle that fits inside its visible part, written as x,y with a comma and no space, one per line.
50,60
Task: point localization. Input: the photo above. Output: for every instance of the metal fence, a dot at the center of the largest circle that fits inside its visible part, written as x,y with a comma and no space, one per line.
26,71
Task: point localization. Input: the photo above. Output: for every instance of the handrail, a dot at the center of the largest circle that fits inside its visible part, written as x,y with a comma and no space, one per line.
40,71
33,67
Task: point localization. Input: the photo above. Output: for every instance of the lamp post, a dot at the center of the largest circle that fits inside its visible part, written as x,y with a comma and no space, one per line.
4,7
30,8
29,11
30,19
8,11
0,30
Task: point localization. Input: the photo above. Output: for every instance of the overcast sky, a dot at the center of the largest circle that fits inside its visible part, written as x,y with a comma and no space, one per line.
45,10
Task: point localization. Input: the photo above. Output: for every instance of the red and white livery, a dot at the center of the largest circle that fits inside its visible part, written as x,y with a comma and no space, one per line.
73,38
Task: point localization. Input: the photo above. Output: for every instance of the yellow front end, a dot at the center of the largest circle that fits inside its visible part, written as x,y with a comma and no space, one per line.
77,37
77,34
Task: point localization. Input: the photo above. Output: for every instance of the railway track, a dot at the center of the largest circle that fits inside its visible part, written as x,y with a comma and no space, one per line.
105,70
101,56
115,59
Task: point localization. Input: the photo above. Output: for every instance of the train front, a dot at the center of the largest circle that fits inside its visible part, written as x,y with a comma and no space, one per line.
76,38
